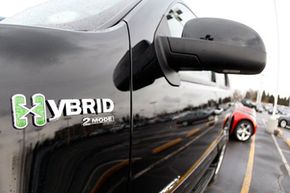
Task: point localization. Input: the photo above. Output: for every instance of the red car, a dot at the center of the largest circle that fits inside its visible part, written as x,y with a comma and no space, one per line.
242,123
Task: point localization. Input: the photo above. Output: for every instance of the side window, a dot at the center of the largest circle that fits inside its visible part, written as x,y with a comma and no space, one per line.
176,18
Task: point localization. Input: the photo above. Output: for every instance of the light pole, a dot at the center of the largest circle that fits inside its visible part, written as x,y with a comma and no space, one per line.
278,56
260,91
273,122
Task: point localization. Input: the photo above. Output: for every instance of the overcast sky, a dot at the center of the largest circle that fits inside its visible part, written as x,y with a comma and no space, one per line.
258,14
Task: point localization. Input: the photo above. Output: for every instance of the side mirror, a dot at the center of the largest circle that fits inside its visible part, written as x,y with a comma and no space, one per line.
212,44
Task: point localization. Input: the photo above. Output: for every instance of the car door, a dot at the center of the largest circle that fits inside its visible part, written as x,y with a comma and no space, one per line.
64,122
174,126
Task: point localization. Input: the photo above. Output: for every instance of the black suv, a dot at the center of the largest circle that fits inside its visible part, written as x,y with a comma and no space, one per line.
95,96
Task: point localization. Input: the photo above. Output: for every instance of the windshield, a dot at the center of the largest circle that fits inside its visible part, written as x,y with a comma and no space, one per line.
74,14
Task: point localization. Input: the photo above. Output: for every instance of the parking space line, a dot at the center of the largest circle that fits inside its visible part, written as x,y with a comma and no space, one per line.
210,123
192,132
282,155
106,175
285,151
166,145
264,123
163,159
249,170
193,168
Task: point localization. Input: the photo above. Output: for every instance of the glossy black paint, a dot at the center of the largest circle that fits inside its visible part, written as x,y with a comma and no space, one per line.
66,157
167,154
63,156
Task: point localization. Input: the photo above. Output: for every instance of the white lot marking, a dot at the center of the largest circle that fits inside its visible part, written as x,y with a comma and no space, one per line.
264,123
285,151
282,155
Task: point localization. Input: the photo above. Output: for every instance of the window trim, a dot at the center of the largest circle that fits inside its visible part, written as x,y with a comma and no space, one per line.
170,74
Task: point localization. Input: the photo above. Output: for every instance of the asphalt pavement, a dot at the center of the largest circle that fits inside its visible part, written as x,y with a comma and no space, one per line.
257,166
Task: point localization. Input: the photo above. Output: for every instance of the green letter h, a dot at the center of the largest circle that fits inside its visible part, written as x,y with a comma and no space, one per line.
20,111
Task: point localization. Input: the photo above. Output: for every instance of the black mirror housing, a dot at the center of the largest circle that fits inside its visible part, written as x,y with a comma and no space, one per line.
218,45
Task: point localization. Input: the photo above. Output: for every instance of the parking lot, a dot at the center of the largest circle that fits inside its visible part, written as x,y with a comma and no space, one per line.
257,166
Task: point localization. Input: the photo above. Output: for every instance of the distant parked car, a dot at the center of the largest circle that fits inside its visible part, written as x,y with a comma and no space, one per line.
259,108
267,107
277,112
248,103
284,121
194,117
241,123
281,110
